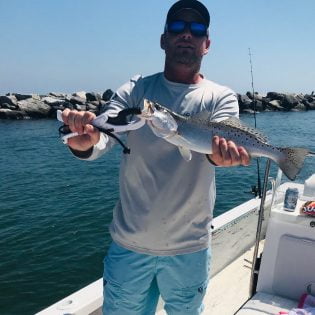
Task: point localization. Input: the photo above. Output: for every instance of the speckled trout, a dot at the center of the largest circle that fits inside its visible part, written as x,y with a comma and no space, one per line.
195,133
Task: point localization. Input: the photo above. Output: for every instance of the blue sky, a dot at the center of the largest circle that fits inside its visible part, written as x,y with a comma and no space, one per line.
93,45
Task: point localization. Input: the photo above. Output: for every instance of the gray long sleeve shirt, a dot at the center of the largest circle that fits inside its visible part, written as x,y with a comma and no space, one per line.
166,203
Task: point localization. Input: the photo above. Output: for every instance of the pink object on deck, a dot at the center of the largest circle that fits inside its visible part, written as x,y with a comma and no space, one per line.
306,306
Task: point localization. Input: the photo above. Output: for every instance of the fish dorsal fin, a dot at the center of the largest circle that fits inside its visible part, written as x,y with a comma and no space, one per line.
236,123
202,116
185,153
233,122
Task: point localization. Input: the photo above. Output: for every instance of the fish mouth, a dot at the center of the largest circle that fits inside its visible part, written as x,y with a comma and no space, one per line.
148,109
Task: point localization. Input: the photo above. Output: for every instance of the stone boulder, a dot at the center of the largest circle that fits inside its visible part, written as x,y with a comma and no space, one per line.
81,94
22,97
299,97
244,102
258,106
58,95
34,108
9,106
6,113
92,97
52,101
69,105
92,108
79,107
107,95
289,101
309,97
308,105
249,95
275,96
11,100
275,105
76,100
259,97
300,107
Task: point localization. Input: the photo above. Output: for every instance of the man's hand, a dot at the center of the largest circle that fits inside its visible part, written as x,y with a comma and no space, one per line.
226,153
80,122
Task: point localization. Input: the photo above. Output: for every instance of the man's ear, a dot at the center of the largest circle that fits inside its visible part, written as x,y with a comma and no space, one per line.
162,41
208,42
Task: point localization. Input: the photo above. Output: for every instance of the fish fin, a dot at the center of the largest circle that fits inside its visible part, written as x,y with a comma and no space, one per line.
204,115
234,122
185,153
292,161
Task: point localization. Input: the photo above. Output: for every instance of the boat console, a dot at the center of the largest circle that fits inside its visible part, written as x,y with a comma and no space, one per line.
288,260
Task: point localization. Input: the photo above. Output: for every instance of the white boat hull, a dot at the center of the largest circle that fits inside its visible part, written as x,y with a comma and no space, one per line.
233,234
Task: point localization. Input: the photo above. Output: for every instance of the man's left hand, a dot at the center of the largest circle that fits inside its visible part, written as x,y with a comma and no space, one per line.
227,153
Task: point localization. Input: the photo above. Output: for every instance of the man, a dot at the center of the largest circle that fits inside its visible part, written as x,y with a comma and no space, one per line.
161,224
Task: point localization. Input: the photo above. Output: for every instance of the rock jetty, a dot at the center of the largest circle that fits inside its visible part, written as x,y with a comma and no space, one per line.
29,106
274,101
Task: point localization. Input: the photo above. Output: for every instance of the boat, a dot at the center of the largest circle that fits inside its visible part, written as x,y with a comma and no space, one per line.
263,258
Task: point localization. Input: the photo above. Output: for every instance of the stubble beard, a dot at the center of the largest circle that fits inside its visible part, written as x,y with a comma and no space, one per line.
185,58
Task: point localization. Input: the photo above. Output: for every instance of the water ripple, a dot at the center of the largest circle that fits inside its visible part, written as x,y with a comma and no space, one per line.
55,209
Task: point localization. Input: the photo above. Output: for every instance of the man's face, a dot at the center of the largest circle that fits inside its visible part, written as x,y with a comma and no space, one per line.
185,48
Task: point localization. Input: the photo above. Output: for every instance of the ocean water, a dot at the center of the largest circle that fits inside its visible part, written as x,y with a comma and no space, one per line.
55,209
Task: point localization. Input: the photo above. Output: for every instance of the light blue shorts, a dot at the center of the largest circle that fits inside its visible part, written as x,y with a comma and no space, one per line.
133,282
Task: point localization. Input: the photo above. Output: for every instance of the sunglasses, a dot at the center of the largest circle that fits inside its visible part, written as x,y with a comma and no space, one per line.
195,28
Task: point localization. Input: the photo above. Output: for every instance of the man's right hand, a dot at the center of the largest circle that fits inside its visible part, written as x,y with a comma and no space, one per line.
80,122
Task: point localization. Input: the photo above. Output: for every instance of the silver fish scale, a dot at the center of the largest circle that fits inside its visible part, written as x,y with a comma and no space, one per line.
232,123
203,118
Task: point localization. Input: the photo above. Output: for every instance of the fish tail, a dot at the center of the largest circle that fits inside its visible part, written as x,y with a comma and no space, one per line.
292,161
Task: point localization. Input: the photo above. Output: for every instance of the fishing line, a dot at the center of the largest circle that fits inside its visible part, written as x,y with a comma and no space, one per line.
254,101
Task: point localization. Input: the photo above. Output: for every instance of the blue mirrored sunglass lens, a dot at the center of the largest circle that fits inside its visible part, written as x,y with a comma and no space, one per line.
176,26
198,29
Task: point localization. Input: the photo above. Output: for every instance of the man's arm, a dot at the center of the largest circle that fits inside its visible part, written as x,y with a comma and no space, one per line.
90,143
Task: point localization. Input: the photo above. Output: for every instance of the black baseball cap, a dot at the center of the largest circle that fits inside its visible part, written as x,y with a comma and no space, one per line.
189,4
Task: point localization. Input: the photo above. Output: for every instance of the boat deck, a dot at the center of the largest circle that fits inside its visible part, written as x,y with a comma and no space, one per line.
223,296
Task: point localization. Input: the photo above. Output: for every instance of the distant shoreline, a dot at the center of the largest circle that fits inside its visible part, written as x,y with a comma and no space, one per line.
33,106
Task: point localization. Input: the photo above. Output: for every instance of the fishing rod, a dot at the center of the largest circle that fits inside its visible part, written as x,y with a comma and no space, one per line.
261,195
255,190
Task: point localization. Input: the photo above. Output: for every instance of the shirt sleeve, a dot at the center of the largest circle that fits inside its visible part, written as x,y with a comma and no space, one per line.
226,105
123,98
